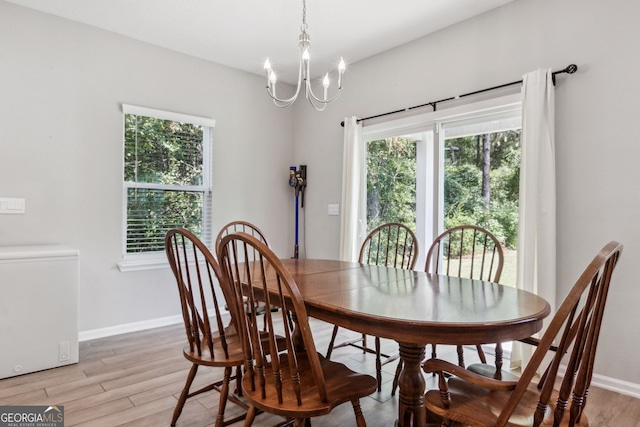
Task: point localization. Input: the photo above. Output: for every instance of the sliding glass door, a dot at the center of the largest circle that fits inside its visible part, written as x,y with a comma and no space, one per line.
437,171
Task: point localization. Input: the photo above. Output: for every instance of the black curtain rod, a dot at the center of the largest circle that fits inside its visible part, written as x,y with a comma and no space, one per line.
570,69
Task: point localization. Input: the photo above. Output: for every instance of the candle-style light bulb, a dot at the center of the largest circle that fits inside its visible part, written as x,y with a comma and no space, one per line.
272,82
267,70
326,82
305,64
341,67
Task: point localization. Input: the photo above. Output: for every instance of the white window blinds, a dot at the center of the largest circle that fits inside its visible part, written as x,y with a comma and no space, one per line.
166,177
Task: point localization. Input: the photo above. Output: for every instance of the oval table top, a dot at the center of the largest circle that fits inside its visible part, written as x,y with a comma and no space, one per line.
414,306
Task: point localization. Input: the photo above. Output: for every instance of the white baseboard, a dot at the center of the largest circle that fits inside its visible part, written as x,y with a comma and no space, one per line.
608,383
614,384
128,327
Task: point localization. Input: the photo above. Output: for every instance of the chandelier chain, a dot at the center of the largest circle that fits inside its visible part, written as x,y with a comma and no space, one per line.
304,15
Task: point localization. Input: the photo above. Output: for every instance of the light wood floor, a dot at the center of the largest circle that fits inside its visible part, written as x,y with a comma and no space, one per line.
135,379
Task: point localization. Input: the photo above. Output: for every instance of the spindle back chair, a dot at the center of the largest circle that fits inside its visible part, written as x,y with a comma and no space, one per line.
470,399
212,339
290,379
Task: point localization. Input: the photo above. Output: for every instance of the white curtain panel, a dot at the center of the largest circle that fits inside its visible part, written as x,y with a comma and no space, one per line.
537,217
353,190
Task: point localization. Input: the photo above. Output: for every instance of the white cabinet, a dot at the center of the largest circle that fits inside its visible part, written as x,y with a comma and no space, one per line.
38,308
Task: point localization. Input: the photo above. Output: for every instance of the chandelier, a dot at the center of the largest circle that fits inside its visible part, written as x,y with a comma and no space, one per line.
304,75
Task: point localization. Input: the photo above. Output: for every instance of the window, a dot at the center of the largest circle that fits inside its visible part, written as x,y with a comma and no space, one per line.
391,182
482,181
167,184
397,184
442,169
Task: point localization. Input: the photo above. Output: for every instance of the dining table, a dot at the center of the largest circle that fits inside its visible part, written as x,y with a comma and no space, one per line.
415,308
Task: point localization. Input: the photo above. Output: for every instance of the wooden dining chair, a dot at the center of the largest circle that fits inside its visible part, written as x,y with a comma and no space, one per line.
240,226
390,245
291,380
471,252
470,399
244,227
209,341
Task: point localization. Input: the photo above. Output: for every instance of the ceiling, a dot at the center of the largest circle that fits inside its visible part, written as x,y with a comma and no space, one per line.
243,33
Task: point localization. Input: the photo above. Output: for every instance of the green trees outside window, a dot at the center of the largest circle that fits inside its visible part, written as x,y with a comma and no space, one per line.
164,178
391,182
481,183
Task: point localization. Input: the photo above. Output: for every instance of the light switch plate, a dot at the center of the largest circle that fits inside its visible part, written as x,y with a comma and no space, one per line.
333,209
12,206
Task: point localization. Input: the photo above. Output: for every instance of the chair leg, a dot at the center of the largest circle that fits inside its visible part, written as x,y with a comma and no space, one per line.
378,364
224,394
251,415
333,339
184,394
360,421
396,377
483,358
433,355
499,353
238,390
460,356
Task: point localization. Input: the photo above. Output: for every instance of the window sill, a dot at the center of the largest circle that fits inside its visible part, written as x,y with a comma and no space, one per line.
143,262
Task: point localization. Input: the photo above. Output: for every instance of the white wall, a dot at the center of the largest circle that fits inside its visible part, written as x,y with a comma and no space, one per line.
596,109
61,87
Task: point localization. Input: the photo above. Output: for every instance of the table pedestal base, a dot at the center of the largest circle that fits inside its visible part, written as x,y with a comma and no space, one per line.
411,383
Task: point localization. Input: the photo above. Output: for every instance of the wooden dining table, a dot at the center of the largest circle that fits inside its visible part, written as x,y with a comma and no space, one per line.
414,309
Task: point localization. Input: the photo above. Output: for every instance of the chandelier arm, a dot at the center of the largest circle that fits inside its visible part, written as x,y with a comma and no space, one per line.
315,107
282,103
310,92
